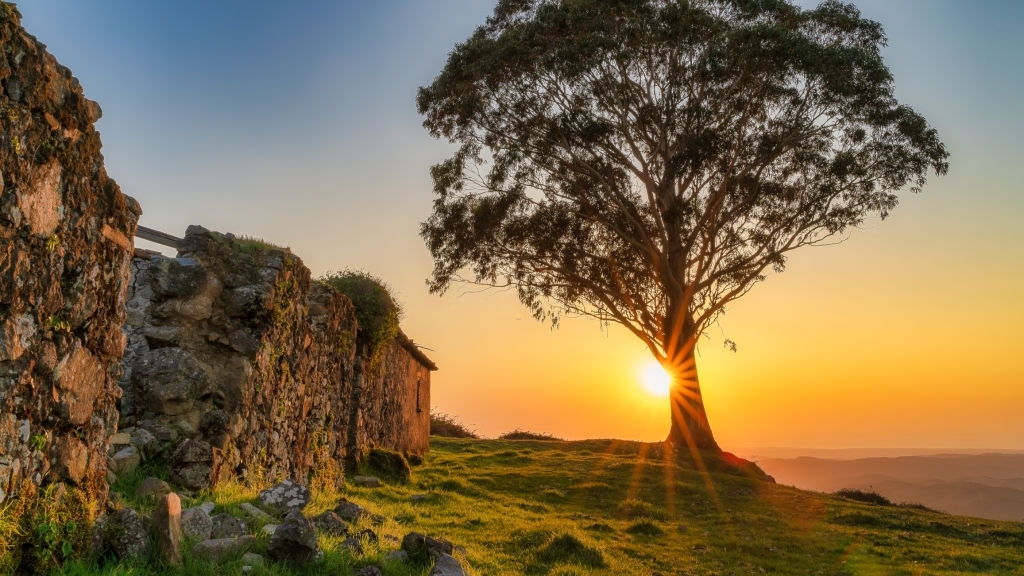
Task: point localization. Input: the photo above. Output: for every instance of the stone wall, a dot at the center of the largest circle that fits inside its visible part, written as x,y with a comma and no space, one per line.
65,245
237,363
395,402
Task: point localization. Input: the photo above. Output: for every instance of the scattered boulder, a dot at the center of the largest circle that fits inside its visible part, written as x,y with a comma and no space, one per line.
167,528
124,535
196,523
285,496
221,549
447,565
228,526
330,523
420,546
370,570
192,464
294,541
349,511
255,513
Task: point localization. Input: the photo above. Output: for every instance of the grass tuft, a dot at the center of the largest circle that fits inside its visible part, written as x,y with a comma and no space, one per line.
449,426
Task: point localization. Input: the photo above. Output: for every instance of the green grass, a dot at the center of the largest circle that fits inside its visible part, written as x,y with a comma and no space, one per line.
612,508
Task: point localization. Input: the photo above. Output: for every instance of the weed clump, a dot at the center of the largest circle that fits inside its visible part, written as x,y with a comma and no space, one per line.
869,496
442,424
518,434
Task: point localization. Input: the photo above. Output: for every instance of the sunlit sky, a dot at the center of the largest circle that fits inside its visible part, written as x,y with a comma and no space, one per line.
295,122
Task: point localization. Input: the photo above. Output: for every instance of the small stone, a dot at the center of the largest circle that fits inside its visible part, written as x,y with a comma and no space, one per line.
330,523
124,535
196,523
370,570
252,559
269,529
446,565
349,511
366,481
285,496
220,549
154,487
126,460
294,541
227,526
208,507
167,528
255,513
423,497
420,546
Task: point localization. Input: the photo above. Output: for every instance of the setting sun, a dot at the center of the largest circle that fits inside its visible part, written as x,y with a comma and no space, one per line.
655,379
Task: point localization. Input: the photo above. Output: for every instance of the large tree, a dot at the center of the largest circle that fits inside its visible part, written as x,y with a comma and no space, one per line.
646,162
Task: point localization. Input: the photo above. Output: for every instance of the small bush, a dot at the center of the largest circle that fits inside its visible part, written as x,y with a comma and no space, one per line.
518,434
376,310
448,426
871,497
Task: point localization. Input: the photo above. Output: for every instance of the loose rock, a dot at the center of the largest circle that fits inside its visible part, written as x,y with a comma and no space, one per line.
220,549
285,496
294,541
167,528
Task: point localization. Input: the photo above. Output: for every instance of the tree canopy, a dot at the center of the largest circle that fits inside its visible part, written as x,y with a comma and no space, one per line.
646,162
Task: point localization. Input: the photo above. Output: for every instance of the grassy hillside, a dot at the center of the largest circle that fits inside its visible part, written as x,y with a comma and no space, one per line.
610,507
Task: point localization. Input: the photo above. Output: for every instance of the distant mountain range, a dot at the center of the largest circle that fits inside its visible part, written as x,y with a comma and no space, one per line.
989,485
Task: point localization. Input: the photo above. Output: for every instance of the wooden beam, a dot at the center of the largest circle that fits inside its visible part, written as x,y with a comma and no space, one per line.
161,238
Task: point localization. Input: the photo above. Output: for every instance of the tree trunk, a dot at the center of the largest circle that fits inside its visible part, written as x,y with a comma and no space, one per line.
690,428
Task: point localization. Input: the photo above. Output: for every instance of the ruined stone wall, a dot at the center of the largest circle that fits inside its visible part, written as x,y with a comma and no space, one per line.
237,362
395,403
65,245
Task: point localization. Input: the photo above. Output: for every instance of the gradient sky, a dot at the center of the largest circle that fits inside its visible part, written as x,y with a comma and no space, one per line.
295,122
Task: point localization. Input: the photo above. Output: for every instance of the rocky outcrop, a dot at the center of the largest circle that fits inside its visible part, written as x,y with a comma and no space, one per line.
65,245
237,362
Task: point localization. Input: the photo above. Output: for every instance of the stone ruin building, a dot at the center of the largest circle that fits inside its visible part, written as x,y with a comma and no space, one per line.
236,363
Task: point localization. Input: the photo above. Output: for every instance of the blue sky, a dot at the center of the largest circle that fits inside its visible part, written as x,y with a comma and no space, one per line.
295,122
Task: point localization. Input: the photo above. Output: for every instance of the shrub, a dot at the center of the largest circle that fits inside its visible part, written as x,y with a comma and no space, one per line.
518,434
869,496
388,465
442,424
376,310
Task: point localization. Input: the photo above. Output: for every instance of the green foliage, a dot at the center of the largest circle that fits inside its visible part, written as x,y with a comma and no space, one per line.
37,442
58,324
518,434
52,242
376,309
15,145
56,527
449,426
